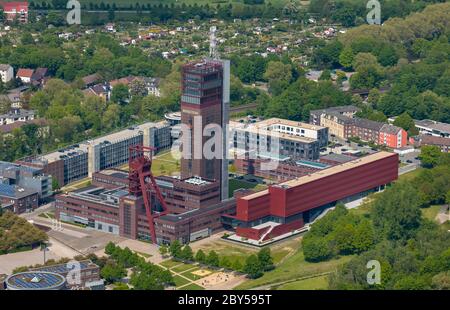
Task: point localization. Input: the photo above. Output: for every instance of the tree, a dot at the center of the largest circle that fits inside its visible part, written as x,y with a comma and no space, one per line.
110,248
265,259
112,272
237,265
55,184
111,117
5,104
253,267
396,214
407,123
163,250
120,93
278,76
316,249
346,57
200,257
187,253
213,259
429,155
175,249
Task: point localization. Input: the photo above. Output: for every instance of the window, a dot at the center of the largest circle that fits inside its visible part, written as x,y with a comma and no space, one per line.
110,229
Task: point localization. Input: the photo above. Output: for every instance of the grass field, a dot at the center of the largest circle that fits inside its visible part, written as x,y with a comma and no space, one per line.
316,283
294,267
170,263
192,287
410,175
431,212
235,252
165,164
182,268
179,281
237,184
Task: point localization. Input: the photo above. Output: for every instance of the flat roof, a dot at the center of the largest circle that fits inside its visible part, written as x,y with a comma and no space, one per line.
438,126
35,280
286,122
63,268
326,172
83,147
254,128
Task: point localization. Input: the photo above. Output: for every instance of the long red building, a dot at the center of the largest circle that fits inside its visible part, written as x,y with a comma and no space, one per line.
291,204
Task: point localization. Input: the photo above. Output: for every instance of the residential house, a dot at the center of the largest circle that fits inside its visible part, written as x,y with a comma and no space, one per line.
6,73
39,77
25,75
15,11
16,115
153,86
90,80
100,90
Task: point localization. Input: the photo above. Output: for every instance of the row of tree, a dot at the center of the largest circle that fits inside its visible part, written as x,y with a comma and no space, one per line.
255,264
145,276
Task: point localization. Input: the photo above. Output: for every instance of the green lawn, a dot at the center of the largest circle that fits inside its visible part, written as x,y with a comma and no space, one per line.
165,164
410,175
179,281
316,283
192,287
431,212
170,263
47,215
182,268
294,267
235,252
234,184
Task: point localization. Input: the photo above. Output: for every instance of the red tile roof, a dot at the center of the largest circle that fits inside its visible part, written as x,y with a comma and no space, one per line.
18,6
25,73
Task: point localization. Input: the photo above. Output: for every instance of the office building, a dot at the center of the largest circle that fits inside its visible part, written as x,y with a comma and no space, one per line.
84,159
278,138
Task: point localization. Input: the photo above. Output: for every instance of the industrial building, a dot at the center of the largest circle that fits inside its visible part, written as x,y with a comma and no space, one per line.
433,128
82,160
342,123
278,138
287,206
33,179
194,205
288,169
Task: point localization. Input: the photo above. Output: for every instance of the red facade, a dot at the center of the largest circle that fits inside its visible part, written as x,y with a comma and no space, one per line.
326,186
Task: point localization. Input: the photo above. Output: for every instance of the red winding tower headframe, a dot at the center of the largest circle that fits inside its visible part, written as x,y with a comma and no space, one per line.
142,182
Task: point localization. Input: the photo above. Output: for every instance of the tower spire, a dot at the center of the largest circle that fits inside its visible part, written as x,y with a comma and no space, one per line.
213,43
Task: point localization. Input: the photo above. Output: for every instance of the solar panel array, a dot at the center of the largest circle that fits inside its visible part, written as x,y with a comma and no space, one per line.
46,280
7,190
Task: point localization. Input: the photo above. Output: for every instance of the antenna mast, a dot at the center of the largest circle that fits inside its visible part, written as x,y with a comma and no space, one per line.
213,43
